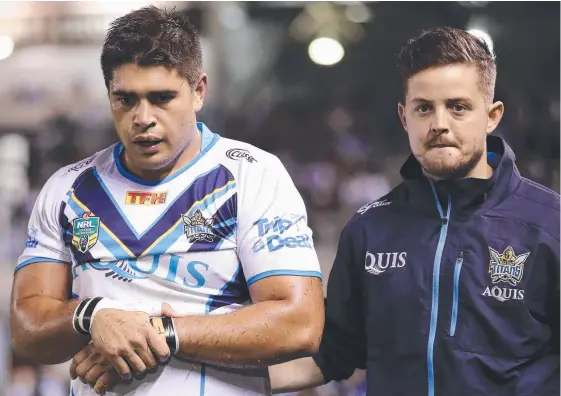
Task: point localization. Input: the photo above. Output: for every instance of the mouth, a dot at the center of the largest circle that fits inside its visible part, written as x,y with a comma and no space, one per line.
147,142
440,145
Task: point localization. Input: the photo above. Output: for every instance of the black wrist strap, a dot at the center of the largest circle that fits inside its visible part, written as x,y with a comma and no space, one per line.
76,318
171,336
88,311
83,315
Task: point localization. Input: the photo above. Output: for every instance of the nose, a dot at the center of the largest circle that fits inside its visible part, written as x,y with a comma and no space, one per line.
144,117
440,122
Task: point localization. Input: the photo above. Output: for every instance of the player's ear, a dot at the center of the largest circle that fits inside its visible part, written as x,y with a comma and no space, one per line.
199,92
401,113
496,111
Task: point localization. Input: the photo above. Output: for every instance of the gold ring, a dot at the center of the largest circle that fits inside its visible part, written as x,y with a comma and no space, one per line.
98,386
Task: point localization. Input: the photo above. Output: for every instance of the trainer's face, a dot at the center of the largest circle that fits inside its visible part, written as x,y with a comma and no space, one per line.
447,119
154,113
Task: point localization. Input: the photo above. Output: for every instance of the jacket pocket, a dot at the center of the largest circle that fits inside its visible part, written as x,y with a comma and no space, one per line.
456,292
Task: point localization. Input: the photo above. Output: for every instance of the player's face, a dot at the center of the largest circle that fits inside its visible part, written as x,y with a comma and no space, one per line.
154,113
447,119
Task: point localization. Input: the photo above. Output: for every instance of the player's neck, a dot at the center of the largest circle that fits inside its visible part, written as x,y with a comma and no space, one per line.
182,160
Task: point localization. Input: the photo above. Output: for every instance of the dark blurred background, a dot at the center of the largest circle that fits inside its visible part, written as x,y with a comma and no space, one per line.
314,83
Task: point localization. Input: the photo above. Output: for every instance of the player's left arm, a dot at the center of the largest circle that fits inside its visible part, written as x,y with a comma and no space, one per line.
284,322
281,268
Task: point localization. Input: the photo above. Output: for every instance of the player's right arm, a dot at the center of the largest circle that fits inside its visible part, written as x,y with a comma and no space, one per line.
41,314
41,324
41,311
343,343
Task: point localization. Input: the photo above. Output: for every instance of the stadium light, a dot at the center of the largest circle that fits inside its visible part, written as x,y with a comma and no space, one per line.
483,35
6,47
358,13
326,51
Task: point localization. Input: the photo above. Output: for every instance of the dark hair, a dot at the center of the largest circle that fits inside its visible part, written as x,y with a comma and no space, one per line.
152,36
448,46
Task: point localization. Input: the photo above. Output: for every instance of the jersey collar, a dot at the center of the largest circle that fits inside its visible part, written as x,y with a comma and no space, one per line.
208,140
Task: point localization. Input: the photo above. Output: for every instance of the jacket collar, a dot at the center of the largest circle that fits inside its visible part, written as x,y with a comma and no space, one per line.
466,195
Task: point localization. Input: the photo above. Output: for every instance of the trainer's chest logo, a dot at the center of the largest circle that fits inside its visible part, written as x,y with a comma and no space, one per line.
505,269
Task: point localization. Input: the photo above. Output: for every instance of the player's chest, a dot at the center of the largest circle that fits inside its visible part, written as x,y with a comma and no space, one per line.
104,223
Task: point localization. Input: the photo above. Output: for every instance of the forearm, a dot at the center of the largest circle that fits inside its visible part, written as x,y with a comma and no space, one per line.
262,334
295,375
42,331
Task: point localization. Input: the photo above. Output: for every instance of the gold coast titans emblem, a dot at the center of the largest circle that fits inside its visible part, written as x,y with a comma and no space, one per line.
197,228
506,267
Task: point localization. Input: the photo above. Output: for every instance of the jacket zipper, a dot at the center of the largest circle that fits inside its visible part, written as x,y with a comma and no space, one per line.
457,269
435,287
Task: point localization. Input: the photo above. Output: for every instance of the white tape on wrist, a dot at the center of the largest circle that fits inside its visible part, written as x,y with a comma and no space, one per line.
176,337
154,309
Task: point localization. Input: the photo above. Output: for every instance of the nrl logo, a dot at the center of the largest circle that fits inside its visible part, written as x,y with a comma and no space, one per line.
197,228
506,267
85,232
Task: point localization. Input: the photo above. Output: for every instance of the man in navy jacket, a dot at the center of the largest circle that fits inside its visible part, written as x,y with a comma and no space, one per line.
449,285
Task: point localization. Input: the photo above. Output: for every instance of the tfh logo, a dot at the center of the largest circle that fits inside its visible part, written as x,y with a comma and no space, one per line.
378,263
145,198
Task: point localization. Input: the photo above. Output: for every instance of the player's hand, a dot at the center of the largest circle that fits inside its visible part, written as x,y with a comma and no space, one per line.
106,382
93,369
128,341
168,311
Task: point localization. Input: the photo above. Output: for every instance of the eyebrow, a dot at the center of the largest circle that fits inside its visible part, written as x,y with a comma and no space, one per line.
420,100
122,92
451,100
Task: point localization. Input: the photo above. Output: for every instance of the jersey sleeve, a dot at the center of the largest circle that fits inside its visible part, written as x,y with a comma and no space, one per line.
44,234
343,345
273,235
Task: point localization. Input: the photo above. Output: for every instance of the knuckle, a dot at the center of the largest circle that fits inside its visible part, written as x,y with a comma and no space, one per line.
113,354
105,365
137,342
123,372
125,351
81,372
90,379
140,367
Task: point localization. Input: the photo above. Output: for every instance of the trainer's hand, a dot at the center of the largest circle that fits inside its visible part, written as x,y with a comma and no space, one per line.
127,339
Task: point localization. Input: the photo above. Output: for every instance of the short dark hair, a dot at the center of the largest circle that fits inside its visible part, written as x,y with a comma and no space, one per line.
153,36
448,46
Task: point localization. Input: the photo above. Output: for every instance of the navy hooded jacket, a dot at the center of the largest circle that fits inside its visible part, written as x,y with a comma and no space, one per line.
449,288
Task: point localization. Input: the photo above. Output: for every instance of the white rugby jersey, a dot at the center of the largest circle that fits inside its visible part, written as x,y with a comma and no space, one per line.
195,240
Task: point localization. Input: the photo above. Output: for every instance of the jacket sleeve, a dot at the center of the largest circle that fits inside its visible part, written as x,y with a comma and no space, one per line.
343,345
553,304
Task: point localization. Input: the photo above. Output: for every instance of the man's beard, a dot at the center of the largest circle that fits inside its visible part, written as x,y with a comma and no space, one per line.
458,170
